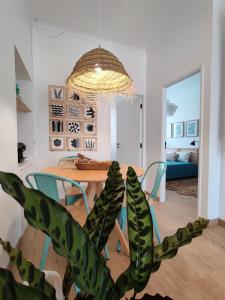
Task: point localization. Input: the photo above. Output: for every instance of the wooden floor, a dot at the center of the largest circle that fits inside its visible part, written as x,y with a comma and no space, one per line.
196,273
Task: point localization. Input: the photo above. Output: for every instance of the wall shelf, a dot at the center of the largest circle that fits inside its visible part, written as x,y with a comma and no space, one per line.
21,106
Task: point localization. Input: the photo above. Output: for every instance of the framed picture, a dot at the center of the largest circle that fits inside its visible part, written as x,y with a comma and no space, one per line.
73,127
169,130
56,93
73,96
56,110
74,111
89,111
89,98
90,144
56,126
192,128
74,143
56,143
89,128
178,129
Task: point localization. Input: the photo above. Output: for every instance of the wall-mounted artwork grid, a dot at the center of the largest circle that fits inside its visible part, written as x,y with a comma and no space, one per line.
90,143
57,143
56,93
72,120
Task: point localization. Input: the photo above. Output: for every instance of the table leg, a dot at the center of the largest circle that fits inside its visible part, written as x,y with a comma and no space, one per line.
90,193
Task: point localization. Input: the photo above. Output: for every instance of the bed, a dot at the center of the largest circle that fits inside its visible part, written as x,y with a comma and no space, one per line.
180,169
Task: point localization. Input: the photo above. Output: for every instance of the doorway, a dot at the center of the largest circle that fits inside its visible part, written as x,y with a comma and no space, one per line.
182,138
127,130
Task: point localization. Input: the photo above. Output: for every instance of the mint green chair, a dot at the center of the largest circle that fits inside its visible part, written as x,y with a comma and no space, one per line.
161,170
47,183
73,195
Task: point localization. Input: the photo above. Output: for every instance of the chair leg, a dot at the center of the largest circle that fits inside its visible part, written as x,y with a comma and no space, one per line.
45,253
155,224
122,223
106,252
71,199
76,289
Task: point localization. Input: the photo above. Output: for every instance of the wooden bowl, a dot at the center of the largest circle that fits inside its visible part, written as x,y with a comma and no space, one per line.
83,164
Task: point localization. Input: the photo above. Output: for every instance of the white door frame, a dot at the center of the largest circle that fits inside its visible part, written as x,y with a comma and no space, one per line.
200,70
113,134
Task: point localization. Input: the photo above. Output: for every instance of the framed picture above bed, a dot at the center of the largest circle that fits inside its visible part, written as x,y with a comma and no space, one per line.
178,129
192,128
168,130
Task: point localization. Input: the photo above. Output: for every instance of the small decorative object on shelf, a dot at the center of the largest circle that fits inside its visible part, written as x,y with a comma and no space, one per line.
17,89
21,147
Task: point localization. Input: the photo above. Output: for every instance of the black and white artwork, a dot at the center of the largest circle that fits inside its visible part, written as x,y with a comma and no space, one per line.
72,119
74,111
74,143
89,112
73,96
90,98
74,127
90,144
56,143
56,126
56,110
56,93
90,128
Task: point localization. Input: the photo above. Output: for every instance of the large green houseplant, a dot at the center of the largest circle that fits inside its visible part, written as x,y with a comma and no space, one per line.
82,246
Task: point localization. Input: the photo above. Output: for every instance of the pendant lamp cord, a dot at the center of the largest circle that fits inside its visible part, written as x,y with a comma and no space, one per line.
99,23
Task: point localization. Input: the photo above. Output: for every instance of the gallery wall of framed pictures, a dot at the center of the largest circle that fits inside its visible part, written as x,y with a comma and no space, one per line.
72,120
183,129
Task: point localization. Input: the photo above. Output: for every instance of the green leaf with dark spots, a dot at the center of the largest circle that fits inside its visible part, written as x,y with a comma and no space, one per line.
27,270
101,219
170,245
69,238
12,290
140,231
67,281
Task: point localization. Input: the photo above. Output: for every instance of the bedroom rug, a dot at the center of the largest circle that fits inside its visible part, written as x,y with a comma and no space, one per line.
184,186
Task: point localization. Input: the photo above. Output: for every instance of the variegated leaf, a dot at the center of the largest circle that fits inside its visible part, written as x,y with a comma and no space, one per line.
170,245
140,231
12,290
89,270
27,270
101,219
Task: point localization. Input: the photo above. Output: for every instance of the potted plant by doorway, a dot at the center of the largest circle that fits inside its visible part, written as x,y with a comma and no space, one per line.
82,246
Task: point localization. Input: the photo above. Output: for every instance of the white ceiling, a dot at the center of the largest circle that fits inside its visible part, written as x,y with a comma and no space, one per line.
121,20
141,23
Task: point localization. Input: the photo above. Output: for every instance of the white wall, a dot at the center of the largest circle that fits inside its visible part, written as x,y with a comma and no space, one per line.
186,95
183,46
218,106
15,30
216,115
54,59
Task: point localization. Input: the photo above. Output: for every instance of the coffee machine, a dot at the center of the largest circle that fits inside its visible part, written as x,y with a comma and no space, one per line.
21,147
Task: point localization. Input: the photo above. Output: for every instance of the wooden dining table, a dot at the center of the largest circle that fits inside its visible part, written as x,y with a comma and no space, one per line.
95,180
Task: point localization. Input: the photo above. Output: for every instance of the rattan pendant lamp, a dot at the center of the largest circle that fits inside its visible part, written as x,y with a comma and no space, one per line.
99,71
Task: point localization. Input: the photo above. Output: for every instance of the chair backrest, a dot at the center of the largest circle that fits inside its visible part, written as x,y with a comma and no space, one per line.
161,169
47,184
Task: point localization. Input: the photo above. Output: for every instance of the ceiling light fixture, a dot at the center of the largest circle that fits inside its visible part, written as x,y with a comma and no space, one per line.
99,71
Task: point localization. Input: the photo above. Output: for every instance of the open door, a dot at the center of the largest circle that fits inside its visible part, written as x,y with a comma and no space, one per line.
182,104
